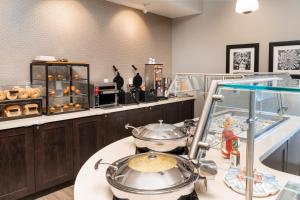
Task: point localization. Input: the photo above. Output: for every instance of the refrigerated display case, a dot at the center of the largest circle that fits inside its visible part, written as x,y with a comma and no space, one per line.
256,108
66,85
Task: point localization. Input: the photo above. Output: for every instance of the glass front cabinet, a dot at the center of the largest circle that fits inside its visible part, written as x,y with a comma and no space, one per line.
66,85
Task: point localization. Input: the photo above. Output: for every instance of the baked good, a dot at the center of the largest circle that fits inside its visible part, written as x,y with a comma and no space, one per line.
73,88
12,111
67,90
66,107
71,105
52,93
76,77
35,93
77,106
52,109
12,94
77,91
31,109
59,77
22,93
50,77
28,91
2,95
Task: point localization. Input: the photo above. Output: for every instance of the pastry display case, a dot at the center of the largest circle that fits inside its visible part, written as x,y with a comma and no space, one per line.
66,85
20,102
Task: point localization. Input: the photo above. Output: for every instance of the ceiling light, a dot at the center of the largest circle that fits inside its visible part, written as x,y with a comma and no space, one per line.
246,6
145,10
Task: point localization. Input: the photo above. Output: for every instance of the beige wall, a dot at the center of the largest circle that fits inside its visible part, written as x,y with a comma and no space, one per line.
95,31
199,42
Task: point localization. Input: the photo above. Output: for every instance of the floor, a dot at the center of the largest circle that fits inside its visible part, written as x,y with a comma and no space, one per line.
64,194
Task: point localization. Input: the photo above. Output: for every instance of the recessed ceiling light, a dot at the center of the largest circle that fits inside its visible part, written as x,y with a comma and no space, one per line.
145,10
246,6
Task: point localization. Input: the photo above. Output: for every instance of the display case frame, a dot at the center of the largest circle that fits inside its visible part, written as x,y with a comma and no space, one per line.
69,65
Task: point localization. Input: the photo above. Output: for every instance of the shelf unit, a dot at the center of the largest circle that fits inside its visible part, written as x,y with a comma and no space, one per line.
66,85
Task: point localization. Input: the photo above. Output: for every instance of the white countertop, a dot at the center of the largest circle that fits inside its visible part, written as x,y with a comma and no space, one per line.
92,112
92,185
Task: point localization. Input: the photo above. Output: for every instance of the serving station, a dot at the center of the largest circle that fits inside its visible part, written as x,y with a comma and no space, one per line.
242,175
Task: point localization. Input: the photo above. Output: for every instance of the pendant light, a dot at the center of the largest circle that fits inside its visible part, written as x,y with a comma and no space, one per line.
246,6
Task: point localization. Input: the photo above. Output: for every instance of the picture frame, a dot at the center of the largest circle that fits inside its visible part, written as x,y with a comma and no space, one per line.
242,58
285,57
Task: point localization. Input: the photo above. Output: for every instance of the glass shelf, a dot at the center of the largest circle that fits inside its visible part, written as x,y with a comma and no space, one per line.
68,96
263,88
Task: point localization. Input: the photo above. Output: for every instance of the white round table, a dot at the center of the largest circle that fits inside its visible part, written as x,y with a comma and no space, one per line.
91,184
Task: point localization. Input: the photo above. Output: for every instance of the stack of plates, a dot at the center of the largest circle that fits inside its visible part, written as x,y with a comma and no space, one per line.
264,184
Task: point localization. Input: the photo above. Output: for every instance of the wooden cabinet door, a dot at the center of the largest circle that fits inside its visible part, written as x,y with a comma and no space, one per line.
293,157
53,154
16,163
171,113
277,160
112,128
153,114
186,110
86,140
136,117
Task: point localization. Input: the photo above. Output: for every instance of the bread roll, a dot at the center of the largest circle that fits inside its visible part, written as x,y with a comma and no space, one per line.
12,111
31,109
35,93
2,95
12,94
22,93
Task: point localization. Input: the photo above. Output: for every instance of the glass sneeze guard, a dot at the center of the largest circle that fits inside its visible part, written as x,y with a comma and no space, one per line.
256,106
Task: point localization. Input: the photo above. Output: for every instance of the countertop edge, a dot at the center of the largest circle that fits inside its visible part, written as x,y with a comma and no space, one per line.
27,122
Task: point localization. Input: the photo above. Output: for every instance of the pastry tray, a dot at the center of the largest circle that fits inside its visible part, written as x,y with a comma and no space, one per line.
265,185
21,103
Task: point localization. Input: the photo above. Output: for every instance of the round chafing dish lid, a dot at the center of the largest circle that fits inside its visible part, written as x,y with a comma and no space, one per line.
159,131
150,171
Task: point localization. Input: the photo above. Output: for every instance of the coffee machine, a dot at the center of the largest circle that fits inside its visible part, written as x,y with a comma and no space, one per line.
154,86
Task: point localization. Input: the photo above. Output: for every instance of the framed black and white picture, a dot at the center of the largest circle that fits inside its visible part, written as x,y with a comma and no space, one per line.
285,57
242,58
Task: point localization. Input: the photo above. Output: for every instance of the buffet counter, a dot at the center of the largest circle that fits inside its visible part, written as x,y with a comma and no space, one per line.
92,185
92,112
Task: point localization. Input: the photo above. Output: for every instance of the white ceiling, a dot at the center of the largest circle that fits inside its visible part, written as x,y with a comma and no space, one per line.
167,8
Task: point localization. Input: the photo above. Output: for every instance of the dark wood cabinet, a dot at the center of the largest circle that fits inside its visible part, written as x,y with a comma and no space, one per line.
186,110
39,158
113,127
277,160
53,154
153,114
293,157
171,113
87,137
16,163
135,117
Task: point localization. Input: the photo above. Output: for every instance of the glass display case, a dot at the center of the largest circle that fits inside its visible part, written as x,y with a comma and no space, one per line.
185,83
237,116
20,102
66,85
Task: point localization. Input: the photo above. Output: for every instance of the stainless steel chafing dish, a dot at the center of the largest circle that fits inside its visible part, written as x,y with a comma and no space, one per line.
159,137
156,176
